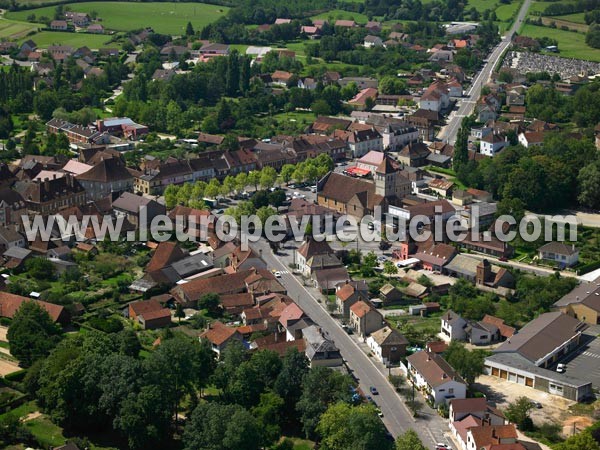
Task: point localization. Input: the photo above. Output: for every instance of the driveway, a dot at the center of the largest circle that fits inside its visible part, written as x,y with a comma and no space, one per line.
502,392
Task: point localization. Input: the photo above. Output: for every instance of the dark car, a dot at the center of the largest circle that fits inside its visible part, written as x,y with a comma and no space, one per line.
384,245
373,390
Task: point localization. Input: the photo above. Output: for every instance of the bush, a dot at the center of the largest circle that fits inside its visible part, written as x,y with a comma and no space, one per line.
16,376
109,325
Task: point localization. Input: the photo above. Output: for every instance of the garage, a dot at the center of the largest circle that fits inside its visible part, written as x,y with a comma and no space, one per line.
503,374
528,382
521,379
512,377
495,372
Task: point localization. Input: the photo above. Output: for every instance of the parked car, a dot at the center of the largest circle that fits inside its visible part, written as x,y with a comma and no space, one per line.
535,404
440,446
373,390
561,368
384,245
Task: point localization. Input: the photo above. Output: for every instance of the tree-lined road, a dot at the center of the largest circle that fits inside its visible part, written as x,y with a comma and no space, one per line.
467,104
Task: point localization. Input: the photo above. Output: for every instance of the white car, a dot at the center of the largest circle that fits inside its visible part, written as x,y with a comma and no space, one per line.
277,274
561,368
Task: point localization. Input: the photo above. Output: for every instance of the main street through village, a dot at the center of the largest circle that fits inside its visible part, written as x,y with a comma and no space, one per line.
396,415
467,104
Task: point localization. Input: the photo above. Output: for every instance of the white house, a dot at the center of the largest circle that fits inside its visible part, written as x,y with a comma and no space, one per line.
372,41
531,139
387,345
492,144
435,378
435,98
560,253
453,327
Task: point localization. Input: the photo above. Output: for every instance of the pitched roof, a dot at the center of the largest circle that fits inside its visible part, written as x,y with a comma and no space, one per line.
505,330
360,309
433,368
218,333
438,254
106,171
292,312
388,336
145,306
165,254
312,247
559,248
345,292
10,303
492,434
542,335
468,405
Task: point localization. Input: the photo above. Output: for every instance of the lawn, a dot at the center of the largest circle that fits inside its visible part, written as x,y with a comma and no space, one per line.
11,29
537,8
168,18
506,12
93,41
575,18
46,432
482,5
338,14
306,117
570,44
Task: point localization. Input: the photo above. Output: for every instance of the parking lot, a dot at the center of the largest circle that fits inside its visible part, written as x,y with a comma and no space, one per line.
585,362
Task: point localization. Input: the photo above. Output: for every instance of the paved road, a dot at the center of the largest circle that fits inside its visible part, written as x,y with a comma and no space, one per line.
397,417
448,133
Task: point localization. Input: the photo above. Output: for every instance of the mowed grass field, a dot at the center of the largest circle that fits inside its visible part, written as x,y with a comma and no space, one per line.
575,18
167,18
45,38
570,44
10,29
338,14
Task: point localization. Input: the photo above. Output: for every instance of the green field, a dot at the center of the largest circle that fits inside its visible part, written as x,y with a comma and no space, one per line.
11,29
570,44
506,12
338,14
93,41
482,5
537,8
575,18
168,18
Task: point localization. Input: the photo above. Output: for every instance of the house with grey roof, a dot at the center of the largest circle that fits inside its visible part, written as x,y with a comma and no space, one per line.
320,350
561,253
528,356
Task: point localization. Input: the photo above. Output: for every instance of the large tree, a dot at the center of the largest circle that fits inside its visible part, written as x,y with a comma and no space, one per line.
469,364
518,412
321,387
347,427
409,441
215,426
32,333
589,185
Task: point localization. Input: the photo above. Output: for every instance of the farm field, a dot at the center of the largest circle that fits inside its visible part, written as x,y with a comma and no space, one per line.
10,29
560,23
168,18
575,17
94,41
570,44
338,14
538,7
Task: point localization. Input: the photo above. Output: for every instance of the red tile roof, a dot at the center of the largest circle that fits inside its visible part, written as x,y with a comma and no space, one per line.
10,303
